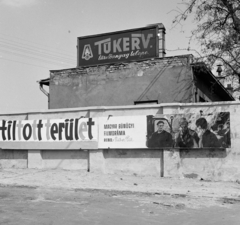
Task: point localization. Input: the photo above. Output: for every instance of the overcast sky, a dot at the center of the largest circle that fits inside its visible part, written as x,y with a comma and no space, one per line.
41,35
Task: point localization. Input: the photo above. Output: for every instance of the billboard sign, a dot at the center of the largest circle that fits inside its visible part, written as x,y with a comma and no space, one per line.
49,130
116,47
189,131
56,133
166,131
161,131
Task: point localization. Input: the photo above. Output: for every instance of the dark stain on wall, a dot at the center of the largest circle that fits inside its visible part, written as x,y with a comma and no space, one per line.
203,153
13,154
191,175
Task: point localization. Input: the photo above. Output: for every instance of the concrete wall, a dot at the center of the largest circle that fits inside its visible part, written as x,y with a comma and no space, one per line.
207,164
132,162
13,159
101,86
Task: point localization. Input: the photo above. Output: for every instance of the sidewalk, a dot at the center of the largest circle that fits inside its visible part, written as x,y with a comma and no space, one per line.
88,180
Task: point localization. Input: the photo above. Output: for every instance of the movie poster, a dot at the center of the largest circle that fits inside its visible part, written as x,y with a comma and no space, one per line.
189,131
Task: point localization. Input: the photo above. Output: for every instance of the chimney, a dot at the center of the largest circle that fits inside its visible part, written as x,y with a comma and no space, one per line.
161,39
219,70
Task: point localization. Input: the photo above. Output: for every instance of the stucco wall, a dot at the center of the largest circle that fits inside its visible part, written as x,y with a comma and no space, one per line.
13,159
101,86
69,160
206,164
132,162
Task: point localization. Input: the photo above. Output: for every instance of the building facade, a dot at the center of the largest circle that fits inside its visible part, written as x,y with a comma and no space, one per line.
128,68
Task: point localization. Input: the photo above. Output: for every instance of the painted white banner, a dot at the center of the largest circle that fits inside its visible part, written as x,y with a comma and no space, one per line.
50,130
122,132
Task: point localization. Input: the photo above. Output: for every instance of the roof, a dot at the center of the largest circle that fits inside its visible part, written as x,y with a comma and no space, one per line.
199,69
44,82
204,73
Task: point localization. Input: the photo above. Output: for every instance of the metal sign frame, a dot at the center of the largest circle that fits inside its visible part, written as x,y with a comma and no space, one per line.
118,47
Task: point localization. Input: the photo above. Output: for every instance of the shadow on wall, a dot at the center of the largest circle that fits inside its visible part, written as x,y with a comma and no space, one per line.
154,153
13,154
131,153
184,84
203,153
55,154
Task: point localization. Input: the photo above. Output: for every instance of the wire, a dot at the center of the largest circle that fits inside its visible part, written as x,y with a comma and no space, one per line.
23,63
35,43
34,54
5,43
33,57
42,54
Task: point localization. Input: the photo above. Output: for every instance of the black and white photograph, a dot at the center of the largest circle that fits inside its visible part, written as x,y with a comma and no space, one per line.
117,112
189,131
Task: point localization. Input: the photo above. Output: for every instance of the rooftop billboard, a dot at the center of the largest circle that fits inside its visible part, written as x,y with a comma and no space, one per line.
117,47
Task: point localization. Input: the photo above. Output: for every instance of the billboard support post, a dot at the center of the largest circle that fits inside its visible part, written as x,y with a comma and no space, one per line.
161,162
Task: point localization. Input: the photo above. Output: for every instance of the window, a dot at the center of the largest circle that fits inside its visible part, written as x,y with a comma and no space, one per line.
146,102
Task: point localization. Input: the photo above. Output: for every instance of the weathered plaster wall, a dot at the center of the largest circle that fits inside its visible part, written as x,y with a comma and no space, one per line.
69,160
101,86
127,161
13,159
207,164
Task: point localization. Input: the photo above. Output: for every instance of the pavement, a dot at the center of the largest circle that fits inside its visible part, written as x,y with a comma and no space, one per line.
83,180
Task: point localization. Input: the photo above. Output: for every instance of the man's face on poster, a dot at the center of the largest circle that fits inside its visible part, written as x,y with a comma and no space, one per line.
183,127
200,131
160,126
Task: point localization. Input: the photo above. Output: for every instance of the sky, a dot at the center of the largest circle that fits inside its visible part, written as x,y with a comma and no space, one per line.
37,36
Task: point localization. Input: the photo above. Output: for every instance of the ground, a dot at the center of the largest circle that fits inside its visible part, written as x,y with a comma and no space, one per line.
61,206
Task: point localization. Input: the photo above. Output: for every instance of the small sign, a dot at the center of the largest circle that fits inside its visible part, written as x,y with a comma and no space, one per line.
122,132
116,47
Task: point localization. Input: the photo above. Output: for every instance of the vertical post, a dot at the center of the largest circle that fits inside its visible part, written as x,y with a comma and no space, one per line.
35,160
78,54
88,163
96,161
161,162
